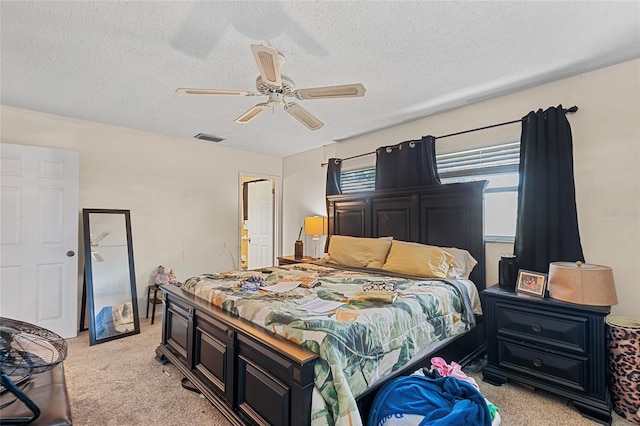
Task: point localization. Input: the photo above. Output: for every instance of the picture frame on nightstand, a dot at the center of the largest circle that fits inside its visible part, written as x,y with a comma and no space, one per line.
531,283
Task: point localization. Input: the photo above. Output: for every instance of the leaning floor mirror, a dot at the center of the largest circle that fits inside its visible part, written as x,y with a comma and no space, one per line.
110,275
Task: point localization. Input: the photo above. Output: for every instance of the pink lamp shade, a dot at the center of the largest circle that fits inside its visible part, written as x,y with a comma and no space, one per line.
582,283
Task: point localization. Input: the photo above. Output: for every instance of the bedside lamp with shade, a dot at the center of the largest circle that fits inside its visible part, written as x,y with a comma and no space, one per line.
315,226
582,283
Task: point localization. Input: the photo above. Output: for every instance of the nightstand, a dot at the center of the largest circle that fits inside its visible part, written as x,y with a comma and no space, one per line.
289,260
548,344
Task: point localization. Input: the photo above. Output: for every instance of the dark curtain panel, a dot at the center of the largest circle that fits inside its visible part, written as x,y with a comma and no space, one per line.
334,167
412,163
547,223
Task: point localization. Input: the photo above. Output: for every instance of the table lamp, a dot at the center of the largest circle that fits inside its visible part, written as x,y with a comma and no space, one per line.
315,226
582,283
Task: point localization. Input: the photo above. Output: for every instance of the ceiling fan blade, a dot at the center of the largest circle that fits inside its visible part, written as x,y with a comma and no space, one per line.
268,60
303,116
97,256
252,113
100,237
345,91
183,91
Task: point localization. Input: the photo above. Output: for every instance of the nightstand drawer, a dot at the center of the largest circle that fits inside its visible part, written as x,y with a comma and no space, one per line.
568,371
550,328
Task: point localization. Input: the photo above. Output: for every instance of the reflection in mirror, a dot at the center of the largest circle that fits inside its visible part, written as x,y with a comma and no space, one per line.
110,274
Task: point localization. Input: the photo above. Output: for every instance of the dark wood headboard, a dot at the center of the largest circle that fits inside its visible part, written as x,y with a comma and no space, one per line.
450,215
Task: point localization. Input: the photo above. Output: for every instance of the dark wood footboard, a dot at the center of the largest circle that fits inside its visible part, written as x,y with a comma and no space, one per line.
250,375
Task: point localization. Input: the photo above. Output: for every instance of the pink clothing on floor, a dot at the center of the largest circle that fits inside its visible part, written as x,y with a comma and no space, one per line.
453,370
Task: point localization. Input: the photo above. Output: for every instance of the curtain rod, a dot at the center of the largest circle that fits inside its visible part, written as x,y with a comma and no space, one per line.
572,109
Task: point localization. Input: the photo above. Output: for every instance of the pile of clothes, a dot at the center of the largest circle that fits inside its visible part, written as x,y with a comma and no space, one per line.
442,395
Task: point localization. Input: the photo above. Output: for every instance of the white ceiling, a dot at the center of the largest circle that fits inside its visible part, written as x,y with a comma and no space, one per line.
119,62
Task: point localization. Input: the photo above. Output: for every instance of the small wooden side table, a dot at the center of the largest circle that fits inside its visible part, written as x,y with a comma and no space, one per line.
153,300
290,260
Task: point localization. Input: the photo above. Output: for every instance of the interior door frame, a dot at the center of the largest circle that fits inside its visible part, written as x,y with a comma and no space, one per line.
277,211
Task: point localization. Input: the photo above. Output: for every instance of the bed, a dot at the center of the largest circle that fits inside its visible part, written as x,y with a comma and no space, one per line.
263,358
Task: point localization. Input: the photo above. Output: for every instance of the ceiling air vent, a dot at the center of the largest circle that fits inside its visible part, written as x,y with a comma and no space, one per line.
208,138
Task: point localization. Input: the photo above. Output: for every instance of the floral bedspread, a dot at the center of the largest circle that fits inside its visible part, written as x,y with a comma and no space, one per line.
361,341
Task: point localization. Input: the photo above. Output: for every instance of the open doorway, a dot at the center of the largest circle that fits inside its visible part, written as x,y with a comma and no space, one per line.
258,216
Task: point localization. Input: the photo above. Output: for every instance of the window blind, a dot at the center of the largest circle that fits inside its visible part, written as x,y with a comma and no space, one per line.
358,180
494,159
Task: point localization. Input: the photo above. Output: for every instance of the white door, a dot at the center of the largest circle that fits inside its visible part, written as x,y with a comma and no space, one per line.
39,237
260,224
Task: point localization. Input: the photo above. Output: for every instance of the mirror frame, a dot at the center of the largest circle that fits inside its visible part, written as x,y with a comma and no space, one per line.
88,271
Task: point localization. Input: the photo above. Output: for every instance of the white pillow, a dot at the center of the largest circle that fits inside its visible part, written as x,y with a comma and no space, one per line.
463,263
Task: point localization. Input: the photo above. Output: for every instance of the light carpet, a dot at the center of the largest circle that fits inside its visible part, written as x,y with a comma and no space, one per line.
121,383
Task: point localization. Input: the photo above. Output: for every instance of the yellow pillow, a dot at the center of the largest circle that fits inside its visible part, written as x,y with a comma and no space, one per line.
418,260
358,252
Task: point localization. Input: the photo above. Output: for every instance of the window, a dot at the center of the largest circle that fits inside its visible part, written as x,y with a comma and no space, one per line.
496,164
499,166
358,180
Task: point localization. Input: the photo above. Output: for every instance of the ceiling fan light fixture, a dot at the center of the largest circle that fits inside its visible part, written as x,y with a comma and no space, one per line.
303,116
275,98
252,113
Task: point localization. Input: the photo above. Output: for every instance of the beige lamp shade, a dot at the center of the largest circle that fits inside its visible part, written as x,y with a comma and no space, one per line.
315,225
582,283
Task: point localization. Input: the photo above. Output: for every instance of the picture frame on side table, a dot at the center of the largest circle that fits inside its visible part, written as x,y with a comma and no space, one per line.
531,283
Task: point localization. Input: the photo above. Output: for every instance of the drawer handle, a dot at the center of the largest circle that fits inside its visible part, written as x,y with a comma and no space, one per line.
537,363
536,328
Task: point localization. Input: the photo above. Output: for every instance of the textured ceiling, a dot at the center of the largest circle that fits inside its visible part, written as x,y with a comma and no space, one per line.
119,62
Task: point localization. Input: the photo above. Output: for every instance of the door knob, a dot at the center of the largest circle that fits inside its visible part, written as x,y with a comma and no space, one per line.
71,253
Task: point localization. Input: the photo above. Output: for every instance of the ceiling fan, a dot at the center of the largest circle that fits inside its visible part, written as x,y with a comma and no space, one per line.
95,243
278,87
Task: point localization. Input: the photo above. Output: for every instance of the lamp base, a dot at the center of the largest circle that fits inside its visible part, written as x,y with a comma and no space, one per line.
297,250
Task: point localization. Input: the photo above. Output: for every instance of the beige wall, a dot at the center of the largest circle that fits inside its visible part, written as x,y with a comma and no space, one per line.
183,194
304,181
606,135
